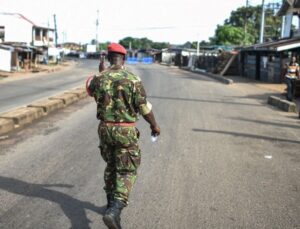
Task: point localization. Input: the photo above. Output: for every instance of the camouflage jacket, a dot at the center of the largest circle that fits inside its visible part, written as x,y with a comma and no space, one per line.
120,95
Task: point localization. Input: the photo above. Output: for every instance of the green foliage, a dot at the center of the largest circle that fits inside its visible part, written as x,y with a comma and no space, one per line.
194,44
103,46
160,45
243,27
142,43
272,25
229,35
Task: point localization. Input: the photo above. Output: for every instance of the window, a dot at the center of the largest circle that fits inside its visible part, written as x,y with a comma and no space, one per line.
2,33
38,35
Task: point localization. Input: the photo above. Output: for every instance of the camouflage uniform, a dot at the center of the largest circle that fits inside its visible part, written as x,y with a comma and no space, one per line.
120,98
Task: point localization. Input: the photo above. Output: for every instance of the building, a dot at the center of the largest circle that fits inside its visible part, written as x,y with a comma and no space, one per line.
267,61
27,42
16,28
178,56
288,11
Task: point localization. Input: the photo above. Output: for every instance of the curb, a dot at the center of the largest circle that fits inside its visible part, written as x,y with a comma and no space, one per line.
79,92
282,104
6,125
210,75
48,105
67,99
215,77
23,116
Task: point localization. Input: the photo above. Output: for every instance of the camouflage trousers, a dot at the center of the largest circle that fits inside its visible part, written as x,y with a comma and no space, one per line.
119,149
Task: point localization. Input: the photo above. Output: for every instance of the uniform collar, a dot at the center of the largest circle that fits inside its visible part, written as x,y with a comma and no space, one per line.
117,67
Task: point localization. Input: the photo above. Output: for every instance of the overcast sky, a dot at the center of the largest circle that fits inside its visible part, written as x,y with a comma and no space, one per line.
174,21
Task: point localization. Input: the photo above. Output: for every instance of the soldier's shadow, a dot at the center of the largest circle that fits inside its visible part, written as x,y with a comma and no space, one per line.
73,208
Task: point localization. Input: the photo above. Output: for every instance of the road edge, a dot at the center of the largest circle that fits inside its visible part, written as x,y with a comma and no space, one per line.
216,77
20,117
282,104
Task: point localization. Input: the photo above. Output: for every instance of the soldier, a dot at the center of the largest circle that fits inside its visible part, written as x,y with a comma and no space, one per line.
120,98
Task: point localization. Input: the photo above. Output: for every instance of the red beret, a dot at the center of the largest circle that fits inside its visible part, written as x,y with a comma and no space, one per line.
114,47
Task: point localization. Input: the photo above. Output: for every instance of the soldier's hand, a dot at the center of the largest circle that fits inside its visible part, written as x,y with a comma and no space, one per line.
155,130
102,59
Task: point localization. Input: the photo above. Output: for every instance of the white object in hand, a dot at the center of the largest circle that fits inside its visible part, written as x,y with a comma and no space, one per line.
153,138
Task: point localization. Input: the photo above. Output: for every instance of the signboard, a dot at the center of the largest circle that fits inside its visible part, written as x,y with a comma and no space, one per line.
53,51
91,48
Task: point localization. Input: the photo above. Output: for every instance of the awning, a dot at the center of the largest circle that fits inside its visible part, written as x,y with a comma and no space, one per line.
287,47
7,47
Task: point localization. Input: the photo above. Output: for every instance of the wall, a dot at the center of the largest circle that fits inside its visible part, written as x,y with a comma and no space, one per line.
250,66
16,29
270,66
168,57
274,69
5,60
207,62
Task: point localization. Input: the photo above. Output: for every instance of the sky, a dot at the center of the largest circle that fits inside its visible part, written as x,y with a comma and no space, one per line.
174,21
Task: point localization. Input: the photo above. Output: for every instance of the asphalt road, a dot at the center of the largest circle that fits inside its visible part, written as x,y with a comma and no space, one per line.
21,92
225,159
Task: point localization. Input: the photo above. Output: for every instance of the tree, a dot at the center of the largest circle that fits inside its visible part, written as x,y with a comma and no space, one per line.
228,35
126,42
142,43
145,43
160,45
248,19
243,27
272,25
103,46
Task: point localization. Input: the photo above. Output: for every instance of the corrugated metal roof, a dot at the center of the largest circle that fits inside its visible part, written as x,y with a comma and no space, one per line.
280,45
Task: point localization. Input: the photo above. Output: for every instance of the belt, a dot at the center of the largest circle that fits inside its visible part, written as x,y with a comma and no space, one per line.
123,124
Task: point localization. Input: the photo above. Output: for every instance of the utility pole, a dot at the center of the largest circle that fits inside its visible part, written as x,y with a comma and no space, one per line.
283,23
245,22
97,24
262,25
198,47
198,44
55,30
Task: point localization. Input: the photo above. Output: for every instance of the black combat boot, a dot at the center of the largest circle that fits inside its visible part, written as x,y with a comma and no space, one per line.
112,217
